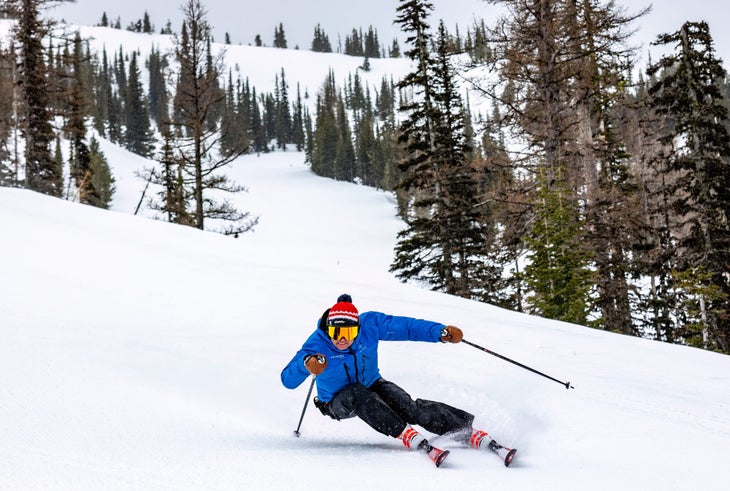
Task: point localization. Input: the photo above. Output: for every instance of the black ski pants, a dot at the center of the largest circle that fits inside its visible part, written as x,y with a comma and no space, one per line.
388,409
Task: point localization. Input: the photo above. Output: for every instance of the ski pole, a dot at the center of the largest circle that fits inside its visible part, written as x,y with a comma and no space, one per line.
320,359
304,409
566,384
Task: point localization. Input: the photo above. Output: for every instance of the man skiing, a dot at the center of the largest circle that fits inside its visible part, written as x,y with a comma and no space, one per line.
342,354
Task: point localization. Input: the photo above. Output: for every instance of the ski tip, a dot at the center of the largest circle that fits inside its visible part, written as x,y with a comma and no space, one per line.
436,455
440,459
509,457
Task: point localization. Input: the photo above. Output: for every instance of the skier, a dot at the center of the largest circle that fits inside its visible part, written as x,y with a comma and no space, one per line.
342,354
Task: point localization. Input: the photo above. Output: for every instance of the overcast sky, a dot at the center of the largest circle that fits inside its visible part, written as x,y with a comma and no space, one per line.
244,19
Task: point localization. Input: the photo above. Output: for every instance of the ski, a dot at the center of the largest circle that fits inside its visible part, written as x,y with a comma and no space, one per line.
506,454
436,455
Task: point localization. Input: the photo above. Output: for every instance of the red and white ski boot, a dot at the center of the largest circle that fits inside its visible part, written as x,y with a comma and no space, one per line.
481,440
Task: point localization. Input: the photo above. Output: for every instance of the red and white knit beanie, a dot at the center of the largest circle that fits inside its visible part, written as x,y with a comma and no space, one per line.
343,314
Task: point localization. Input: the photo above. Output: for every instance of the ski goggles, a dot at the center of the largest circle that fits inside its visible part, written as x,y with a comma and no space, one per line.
339,332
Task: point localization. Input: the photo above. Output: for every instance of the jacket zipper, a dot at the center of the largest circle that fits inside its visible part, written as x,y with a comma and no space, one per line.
354,359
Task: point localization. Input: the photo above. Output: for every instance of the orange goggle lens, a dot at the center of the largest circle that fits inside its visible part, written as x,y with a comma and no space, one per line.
338,332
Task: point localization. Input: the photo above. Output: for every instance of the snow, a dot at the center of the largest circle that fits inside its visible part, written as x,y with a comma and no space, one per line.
260,65
138,354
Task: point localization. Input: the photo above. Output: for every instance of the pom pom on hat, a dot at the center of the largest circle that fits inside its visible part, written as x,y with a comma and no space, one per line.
345,297
343,314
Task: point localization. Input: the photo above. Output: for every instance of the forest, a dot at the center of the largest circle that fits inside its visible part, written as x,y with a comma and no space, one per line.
594,191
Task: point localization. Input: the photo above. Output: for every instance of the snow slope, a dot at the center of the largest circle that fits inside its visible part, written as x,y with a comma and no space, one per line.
137,354
259,65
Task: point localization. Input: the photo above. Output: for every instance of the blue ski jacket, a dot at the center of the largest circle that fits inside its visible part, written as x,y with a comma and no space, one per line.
359,363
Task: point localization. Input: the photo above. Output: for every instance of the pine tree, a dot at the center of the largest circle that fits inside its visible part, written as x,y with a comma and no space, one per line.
147,27
344,165
75,127
158,94
197,94
557,269
8,175
258,130
690,93
283,128
100,187
321,42
279,37
298,134
371,48
138,134
42,170
174,198
326,136
444,242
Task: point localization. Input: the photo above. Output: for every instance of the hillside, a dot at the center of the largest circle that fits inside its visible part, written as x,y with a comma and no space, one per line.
142,355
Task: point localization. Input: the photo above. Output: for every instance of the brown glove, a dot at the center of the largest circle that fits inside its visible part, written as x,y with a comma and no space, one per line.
451,334
315,363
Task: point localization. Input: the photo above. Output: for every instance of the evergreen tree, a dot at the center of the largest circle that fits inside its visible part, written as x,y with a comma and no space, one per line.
371,48
258,130
167,29
326,134
197,94
354,43
174,198
100,188
365,150
42,170
444,242
690,93
147,27
298,134
557,270
394,51
283,129
655,251
8,174
112,103
279,37
138,135
234,123
269,116
158,94
344,165
75,127
321,42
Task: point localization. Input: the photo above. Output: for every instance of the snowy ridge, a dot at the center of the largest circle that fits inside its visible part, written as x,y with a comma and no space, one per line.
137,354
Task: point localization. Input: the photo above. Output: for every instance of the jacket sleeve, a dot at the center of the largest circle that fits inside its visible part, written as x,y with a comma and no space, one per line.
397,328
295,373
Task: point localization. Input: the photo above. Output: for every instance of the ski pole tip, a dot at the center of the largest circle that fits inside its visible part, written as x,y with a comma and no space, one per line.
568,386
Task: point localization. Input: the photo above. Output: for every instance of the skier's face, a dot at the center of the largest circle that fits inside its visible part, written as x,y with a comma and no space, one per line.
343,336
342,343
